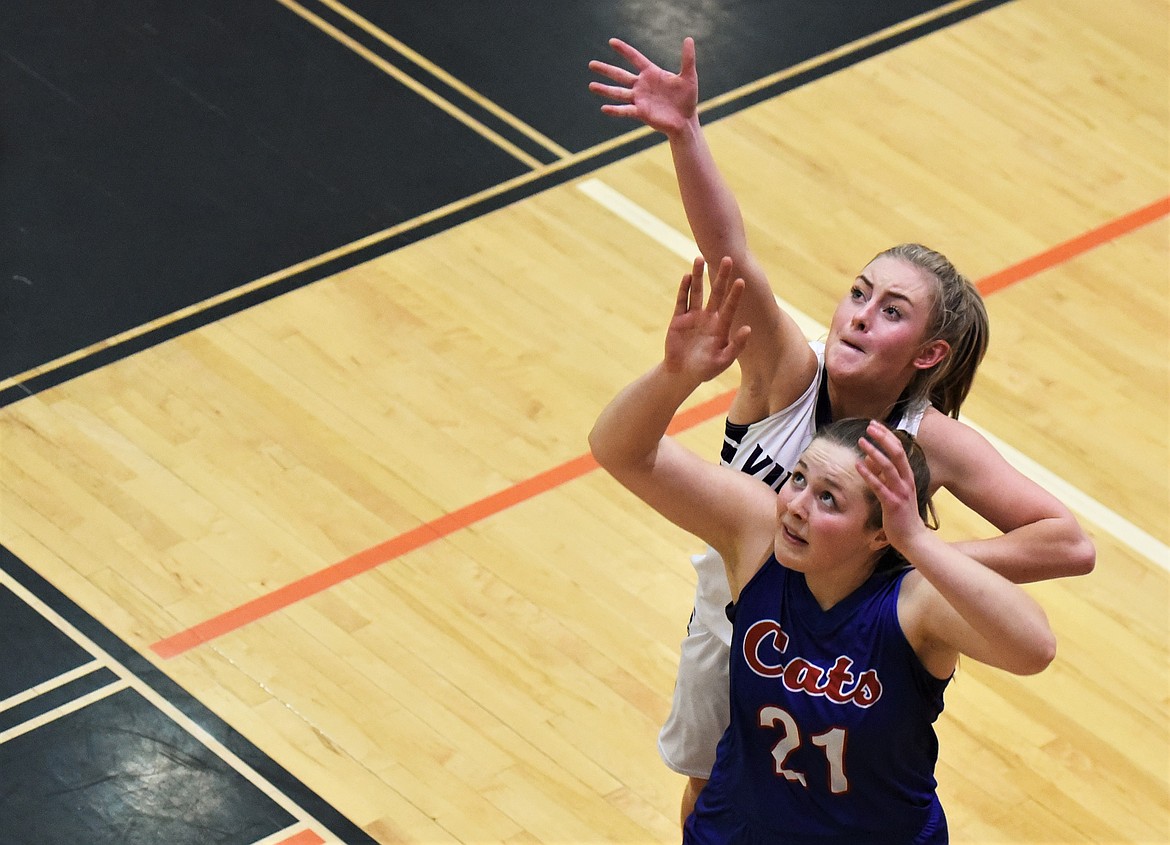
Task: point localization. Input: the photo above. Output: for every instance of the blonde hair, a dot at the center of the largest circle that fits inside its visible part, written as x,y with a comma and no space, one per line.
960,318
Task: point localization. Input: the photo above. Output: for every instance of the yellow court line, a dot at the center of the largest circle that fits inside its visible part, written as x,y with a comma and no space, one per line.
420,89
50,685
69,707
539,171
436,71
126,679
834,54
303,266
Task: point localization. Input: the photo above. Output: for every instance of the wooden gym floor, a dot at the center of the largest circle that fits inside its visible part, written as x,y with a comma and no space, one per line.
308,307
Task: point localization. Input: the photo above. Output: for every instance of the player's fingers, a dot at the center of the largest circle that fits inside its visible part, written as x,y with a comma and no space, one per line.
617,74
697,282
687,67
730,304
629,53
683,296
613,92
620,109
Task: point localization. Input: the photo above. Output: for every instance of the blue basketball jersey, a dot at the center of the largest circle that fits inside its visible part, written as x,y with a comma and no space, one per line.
832,739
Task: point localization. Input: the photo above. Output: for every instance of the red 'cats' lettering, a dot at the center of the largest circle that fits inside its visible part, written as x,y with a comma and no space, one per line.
765,642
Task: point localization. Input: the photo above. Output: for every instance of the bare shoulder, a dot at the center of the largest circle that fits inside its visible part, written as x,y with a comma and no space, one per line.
800,368
914,597
952,447
919,604
945,433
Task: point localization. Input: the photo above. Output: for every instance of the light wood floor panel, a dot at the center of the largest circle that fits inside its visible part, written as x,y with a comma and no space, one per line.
944,140
505,683
1105,426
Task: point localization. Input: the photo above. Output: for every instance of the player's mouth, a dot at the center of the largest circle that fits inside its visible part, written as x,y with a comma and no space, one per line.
792,537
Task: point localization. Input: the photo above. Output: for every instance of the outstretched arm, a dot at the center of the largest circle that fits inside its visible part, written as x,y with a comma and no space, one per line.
952,604
1041,538
776,365
732,512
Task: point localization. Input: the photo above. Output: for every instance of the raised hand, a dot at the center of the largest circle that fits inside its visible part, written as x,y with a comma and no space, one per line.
886,469
699,341
662,100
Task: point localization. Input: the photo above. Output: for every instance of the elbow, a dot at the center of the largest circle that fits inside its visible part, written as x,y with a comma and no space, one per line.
1038,653
1043,653
609,450
599,448
1077,553
1084,555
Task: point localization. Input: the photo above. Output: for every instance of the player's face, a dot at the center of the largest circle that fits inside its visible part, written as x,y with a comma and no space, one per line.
878,329
822,513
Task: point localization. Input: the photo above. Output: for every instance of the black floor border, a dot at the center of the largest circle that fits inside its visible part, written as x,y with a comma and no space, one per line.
315,806
244,300
124,349
856,56
436,85
79,687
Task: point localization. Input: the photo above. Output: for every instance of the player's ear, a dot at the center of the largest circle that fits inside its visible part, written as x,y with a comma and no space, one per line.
931,354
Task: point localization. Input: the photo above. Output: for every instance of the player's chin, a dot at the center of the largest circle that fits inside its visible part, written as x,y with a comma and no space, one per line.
840,354
789,551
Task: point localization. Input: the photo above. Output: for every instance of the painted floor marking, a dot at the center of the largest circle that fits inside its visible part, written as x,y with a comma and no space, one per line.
1135,538
1126,532
128,680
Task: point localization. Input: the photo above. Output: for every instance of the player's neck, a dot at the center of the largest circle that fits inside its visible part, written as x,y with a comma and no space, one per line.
868,403
829,588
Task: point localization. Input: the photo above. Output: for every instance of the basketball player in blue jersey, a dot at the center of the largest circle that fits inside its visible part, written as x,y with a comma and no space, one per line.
849,614
903,347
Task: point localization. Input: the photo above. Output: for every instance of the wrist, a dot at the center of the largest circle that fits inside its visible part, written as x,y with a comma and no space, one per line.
677,380
921,547
685,132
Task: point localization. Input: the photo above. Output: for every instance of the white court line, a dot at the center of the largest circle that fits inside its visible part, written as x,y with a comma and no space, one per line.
128,680
71,706
50,685
674,240
1135,538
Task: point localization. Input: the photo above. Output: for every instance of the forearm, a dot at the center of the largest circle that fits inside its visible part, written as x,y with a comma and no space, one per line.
712,210
629,429
1011,629
718,228
1040,537
1048,548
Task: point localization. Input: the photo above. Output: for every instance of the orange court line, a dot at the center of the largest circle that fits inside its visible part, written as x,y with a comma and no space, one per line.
305,837
1061,253
374,556
436,529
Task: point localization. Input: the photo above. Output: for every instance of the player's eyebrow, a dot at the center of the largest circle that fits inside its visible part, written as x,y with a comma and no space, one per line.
890,292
